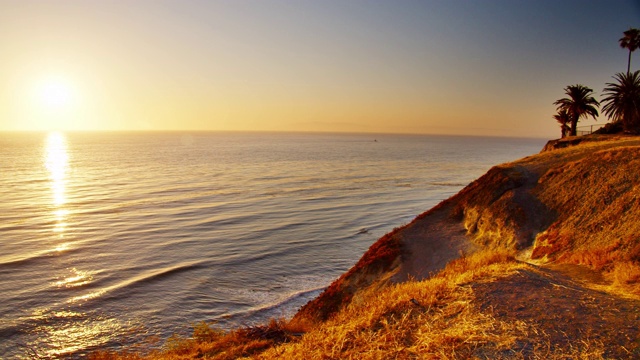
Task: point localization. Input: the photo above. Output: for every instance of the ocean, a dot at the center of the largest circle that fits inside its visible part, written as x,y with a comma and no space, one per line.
115,239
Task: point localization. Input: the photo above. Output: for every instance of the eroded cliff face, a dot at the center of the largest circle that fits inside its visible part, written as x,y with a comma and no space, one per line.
373,269
597,199
499,209
575,202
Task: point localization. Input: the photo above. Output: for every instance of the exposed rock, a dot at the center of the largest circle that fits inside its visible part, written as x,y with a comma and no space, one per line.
562,143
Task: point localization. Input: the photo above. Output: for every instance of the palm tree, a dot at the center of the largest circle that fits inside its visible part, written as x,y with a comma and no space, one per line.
563,119
622,101
579,104
631,41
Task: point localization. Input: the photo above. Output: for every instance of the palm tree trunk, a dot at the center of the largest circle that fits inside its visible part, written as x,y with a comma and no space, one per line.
574,127
629,63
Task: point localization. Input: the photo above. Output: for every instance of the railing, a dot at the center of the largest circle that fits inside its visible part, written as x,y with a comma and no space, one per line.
587,129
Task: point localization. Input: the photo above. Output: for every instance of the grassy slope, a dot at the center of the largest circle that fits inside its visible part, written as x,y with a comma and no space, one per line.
581,206
578,204
524,203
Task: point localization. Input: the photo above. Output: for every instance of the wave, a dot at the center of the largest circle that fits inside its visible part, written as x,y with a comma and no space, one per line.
8,330
145,278
29,259
282,303
290,298
444,183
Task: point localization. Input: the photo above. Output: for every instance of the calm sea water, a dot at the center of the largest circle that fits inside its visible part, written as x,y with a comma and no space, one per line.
110,239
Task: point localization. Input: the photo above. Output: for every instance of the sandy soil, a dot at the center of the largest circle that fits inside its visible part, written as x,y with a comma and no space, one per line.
562,302
430,243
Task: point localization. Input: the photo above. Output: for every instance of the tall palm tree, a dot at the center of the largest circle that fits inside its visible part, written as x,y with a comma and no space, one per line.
563,119
622,101
631,41
578,104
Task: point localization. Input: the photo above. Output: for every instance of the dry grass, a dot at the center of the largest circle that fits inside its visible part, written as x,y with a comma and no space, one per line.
594,190
212,343
430,319
378,259
625,277
488,212
578,204
597,199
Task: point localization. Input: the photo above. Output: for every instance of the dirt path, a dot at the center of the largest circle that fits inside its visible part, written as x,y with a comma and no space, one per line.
558,301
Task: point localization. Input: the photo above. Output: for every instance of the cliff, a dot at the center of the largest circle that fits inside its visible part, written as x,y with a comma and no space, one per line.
577,201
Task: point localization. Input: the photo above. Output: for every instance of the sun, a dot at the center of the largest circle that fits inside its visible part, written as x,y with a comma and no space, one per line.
55,93
55,102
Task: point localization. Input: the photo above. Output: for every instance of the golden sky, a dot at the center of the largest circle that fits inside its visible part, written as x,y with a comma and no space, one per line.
446,67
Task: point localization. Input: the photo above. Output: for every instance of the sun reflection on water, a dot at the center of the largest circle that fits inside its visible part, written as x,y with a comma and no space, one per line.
77,278
60,215
73,332
56,161
61,247
68,330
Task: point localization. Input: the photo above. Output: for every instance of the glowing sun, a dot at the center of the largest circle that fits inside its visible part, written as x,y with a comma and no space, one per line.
55,93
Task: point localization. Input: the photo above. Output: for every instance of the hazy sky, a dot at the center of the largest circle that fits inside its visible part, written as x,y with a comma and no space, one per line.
484,67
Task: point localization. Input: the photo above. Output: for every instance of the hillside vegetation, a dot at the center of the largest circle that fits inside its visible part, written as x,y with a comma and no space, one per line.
537,259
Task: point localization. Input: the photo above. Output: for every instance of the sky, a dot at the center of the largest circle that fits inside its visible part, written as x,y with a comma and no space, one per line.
490,67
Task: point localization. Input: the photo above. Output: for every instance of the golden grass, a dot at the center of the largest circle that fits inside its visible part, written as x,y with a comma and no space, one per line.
431,319
583,203
597,199
625,277
378,259
428,319
212,343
